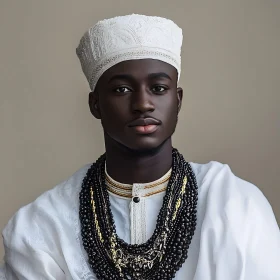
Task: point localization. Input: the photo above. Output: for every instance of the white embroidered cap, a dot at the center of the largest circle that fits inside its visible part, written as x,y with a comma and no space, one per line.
130,37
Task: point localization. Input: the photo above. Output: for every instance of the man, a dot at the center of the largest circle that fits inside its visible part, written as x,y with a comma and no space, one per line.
141,211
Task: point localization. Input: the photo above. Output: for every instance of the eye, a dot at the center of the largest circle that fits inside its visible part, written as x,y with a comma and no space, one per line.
122,89
159,89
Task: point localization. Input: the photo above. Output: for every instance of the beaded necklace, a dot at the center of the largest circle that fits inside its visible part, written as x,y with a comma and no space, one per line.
164,253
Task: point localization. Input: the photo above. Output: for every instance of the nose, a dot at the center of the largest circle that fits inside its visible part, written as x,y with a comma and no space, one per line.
142,102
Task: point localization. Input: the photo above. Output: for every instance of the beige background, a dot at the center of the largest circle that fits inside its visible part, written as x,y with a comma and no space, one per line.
231,74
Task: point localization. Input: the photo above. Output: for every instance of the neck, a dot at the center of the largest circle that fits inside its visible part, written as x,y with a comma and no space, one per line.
128,167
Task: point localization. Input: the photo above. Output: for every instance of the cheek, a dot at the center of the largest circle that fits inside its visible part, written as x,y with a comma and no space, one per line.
169,111
113,114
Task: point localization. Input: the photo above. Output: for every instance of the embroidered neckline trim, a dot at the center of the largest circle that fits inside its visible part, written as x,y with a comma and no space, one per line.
137,189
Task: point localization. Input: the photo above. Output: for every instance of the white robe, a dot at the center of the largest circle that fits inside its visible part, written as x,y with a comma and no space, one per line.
237,237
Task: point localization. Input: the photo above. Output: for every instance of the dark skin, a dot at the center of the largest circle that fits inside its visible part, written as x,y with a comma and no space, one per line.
131,90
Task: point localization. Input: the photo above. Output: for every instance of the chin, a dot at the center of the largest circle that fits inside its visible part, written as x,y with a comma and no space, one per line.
138,145
151,146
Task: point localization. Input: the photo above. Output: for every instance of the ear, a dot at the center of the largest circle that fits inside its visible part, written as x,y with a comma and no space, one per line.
179,97
93,102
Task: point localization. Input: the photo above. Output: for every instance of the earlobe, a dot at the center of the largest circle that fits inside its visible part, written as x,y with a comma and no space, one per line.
93,102
180,98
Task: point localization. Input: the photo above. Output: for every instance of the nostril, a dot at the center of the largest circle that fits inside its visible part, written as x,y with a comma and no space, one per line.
143,107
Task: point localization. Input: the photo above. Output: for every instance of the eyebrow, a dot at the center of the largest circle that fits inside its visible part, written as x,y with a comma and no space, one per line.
131,78
159,75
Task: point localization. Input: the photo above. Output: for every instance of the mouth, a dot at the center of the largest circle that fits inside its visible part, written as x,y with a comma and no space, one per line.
144,125
145,129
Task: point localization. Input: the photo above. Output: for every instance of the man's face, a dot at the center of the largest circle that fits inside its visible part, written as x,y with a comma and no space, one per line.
138,103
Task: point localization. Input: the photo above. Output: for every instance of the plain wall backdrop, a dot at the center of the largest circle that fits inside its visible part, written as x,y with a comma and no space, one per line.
231,81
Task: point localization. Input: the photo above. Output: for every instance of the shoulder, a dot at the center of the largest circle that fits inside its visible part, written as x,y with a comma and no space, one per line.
224,192
236,223
47,213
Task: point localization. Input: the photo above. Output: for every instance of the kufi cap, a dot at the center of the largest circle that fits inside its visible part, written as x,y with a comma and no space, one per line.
130,37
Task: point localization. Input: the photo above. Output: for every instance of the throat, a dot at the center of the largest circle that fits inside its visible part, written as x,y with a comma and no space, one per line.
128,168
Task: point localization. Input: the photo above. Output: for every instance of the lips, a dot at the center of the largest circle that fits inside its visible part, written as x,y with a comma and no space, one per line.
144,125
144,122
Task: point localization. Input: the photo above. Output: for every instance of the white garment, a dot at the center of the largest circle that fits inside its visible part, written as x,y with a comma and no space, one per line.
237,237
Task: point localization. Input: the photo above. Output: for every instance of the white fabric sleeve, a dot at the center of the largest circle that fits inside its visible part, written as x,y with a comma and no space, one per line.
33,265
255,233
263,251
2,273
240,238
30,246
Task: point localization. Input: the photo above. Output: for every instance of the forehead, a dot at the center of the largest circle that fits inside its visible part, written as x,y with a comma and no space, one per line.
140,68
